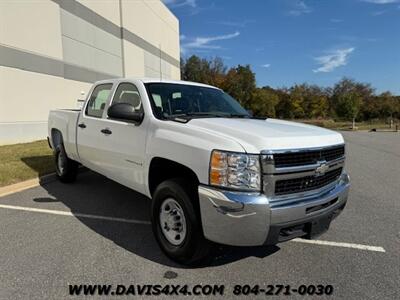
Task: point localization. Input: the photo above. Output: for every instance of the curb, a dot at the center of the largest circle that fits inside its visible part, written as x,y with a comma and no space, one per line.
27,184
31,183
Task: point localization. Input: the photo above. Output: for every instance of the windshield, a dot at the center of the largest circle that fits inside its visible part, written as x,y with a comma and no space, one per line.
173,100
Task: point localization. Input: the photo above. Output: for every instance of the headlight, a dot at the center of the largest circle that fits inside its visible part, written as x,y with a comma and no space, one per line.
235,170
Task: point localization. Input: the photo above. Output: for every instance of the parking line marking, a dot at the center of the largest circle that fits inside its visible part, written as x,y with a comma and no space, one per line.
70,214
337,244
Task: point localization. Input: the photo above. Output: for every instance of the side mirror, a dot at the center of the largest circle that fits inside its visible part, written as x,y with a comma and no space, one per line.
126,112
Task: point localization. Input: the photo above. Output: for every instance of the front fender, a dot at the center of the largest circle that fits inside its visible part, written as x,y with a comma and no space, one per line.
187,146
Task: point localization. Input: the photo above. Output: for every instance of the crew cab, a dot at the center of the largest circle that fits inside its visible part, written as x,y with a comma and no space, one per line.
212,171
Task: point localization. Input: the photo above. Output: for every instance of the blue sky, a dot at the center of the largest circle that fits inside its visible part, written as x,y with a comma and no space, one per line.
292,41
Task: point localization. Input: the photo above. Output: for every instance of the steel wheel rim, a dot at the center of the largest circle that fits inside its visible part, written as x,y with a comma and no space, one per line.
173,222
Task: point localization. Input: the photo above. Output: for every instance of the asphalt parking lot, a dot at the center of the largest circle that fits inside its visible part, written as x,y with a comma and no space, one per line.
107,238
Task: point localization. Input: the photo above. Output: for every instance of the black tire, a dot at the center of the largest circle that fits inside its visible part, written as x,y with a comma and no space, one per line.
194,248
66,169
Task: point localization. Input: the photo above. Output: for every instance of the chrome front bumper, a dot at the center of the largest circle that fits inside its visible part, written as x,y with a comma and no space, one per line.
253,219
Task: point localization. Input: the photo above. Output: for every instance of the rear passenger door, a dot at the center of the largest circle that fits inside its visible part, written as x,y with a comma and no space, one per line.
90,139
125,147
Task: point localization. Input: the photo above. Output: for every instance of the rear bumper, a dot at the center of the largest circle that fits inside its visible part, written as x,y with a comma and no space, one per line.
252,219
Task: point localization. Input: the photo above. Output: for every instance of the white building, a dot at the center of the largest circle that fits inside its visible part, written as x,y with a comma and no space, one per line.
52,50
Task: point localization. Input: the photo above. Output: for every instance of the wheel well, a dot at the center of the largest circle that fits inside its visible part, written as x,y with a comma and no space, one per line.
162,169
56,137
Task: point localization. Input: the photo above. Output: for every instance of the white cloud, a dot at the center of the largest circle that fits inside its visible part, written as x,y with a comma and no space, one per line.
233,23
204,42
266,66
378,13
333,60
299,8
180,3
381,1
190,7
336,20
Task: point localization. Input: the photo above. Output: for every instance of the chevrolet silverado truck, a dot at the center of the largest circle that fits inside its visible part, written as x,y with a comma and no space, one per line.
212,171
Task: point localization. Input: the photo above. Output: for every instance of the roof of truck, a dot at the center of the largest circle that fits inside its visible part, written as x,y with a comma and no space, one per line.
156,80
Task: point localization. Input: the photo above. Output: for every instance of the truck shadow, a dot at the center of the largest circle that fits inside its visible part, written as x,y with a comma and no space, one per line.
95,195
42,164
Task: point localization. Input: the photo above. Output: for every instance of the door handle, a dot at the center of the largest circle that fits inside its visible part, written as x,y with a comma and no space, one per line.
106,131
82,125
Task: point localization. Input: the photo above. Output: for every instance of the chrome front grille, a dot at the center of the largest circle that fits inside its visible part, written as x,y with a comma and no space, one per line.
301,172
307,157
306,183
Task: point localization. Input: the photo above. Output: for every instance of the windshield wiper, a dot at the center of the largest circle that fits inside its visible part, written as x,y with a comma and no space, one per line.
199,114
185,117
238,116
211,114
216,114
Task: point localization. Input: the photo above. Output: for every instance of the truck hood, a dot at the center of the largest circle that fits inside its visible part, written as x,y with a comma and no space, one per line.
271,134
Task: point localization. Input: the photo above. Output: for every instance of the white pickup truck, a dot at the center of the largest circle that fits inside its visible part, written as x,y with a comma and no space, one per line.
214,173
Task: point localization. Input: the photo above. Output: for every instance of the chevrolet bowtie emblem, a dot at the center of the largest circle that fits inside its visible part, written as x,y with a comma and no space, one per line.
322,168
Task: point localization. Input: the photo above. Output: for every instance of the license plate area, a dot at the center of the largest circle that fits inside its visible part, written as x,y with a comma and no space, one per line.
318,226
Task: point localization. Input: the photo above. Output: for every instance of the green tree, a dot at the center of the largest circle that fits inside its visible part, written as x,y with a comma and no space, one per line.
316,104
284,109
240,83
397,107
263,102
217,72
348,106
370,108
308,101
347,97
388,104
297,97
195,69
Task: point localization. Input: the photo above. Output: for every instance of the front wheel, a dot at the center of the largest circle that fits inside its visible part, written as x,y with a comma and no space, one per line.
66,169
176,222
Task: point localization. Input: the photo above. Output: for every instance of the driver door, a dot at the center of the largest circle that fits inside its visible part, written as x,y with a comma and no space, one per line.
124,149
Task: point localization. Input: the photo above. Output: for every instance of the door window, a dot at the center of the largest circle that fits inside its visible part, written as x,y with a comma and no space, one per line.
128,93
98,99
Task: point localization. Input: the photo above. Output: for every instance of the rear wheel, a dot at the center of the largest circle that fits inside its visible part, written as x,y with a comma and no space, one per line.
66,169
176,222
